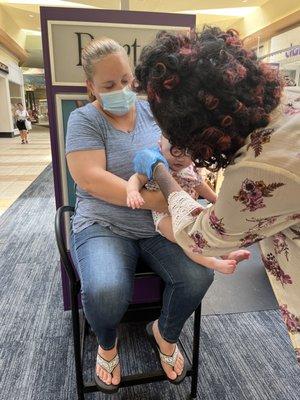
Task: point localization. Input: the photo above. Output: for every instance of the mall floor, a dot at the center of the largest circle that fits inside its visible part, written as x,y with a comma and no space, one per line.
21,164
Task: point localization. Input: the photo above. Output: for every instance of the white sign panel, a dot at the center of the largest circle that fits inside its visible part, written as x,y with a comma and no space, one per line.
71,37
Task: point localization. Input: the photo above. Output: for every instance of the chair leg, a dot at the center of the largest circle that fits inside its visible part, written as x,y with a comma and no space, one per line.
196,344
87,326
76,337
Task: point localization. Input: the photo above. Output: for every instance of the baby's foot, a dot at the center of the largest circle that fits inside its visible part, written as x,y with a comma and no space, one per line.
239,255
224,266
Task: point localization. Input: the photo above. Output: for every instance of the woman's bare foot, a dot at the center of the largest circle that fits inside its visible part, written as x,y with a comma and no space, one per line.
239,255
168,349
115,377
224,266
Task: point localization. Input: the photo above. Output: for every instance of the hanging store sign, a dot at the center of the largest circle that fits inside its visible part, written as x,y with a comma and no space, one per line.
293,52
4,68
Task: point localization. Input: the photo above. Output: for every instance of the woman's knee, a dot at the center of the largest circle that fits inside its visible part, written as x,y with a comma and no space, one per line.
197,281
106,302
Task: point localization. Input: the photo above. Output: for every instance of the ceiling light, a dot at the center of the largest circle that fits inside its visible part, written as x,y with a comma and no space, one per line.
51,3
228,12
33,71
31,32
30,15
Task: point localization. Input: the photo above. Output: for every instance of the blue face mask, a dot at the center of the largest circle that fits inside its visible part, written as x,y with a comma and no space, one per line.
118,102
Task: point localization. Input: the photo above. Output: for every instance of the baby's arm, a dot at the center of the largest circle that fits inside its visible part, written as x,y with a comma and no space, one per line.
135,183
205,191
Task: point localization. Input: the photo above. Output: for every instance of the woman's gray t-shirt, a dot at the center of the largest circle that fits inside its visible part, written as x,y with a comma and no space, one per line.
89,130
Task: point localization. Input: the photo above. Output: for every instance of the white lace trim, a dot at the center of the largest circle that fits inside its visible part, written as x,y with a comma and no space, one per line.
181,207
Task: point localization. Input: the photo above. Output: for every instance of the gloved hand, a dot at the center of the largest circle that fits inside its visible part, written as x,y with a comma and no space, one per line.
146,159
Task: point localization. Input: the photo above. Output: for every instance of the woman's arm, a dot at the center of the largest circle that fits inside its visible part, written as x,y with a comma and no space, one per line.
88,169
254,202
165,181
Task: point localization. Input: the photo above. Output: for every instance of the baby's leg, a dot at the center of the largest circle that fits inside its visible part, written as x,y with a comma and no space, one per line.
164,227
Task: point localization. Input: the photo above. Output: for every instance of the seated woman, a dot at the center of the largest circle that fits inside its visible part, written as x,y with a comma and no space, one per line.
107,237
215,99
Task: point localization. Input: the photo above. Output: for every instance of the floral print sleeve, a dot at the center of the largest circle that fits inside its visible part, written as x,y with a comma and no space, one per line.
248,210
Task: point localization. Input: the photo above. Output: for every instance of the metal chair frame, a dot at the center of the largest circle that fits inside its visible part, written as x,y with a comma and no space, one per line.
136,312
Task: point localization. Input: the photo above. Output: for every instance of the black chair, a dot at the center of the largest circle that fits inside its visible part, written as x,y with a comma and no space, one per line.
136,312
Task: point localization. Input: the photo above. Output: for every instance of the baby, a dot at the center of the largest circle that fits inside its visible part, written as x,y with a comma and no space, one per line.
183,171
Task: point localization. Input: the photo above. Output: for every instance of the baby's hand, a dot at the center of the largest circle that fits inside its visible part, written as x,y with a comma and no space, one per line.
135,199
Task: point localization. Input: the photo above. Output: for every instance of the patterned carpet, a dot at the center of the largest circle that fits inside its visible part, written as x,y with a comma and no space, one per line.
243,356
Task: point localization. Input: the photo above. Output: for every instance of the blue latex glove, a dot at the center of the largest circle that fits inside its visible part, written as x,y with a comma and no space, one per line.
146,159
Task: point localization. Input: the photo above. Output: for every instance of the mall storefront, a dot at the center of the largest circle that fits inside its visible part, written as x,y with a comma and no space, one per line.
285,51
35,95
11,92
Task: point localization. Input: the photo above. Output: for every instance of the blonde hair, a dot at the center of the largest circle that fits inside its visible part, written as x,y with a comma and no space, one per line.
96,50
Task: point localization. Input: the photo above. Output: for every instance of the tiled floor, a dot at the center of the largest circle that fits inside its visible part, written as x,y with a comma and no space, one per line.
20,163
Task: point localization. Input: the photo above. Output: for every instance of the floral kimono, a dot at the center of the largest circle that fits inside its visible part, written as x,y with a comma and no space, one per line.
259,201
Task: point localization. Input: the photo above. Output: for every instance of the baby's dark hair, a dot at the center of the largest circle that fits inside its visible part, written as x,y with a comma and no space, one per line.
207,92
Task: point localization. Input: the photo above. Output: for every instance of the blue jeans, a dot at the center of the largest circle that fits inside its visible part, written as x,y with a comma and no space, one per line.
106,265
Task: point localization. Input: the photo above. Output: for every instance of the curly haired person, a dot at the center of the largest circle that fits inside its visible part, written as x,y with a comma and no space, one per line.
213,98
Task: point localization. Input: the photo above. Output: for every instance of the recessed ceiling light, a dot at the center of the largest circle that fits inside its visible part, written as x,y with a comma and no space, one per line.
30,15
50,3
31,32
229,12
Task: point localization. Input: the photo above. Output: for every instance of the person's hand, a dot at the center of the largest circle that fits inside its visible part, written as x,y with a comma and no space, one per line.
146,159
135,199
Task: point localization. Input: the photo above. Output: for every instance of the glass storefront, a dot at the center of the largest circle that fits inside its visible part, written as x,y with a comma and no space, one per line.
35,94
285,51
11,92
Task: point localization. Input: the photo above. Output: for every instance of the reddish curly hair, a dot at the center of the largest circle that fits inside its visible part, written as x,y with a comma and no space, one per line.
207,92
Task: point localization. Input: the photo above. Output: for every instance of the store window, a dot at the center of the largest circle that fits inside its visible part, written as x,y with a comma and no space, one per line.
285,51
35,95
